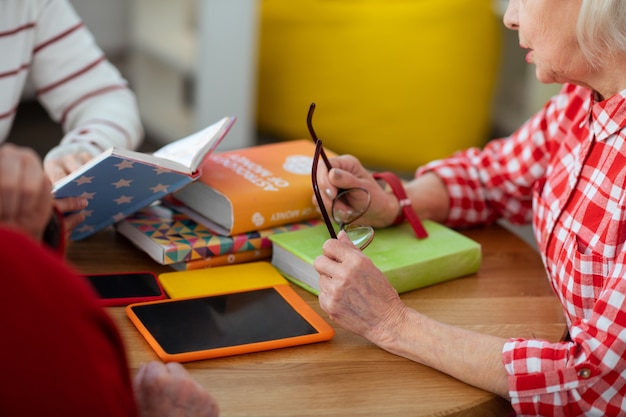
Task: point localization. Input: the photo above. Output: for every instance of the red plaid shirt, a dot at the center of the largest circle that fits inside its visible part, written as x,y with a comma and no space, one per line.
565,170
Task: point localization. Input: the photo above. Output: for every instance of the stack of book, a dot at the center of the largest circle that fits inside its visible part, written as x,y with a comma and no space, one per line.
239,206
230,202
226,216
171,237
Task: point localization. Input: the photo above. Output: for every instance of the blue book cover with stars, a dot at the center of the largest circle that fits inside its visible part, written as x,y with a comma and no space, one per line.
120,182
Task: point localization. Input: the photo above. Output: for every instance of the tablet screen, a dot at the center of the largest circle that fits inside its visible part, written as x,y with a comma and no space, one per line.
223,321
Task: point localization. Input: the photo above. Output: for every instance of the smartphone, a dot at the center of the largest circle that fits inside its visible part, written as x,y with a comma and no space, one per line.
123,288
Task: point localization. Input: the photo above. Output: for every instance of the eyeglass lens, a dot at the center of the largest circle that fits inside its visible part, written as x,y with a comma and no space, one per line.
350,204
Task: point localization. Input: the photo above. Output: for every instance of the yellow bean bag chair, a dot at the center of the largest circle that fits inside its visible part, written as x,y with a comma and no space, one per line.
396,82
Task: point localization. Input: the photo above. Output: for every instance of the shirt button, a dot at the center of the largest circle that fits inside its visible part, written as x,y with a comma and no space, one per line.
584,373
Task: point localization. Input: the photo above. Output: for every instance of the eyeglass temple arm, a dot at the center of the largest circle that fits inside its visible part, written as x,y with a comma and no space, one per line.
318,196
309,123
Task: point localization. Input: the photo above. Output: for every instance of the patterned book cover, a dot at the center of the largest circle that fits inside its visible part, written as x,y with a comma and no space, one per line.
119,182
170,236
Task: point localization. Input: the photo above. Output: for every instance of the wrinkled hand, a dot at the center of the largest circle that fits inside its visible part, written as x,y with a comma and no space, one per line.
59,168
347,172
25,199
356,294
168,390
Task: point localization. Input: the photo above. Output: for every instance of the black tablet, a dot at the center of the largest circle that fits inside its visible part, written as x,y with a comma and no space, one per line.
188,329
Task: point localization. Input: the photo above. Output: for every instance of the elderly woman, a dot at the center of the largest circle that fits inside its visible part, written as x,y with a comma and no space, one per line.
565,171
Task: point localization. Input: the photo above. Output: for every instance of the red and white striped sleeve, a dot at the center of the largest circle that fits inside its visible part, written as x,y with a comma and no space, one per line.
71,77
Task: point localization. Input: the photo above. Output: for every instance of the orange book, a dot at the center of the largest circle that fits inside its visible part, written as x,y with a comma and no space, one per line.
254,188
223,260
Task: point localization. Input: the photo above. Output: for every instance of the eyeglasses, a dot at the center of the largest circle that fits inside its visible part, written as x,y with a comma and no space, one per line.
347,206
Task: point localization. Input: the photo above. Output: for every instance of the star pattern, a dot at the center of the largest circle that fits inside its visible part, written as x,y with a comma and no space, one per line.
124,164
123,199
116,188
84,180
144,181
159,188
122,183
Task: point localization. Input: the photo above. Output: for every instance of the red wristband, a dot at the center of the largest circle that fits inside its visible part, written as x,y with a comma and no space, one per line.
406,211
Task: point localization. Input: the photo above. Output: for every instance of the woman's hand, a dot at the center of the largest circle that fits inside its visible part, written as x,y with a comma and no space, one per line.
356,294
59,168
25,191
168,390
428,193
347,172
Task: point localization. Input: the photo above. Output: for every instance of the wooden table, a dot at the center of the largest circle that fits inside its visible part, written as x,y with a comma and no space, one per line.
348,376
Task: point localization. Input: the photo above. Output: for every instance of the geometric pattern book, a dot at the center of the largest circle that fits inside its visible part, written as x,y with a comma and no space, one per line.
170,236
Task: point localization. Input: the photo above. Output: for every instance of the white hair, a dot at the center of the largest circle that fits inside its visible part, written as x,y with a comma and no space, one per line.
601,29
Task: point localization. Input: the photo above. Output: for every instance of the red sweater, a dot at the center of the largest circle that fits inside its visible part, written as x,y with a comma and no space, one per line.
60,353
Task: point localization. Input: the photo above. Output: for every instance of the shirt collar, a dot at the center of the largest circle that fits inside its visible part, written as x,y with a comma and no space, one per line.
608,116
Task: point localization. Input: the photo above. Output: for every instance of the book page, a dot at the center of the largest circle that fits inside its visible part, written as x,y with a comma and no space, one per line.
190,150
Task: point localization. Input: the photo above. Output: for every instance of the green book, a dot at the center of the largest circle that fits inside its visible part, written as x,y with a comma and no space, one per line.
407,262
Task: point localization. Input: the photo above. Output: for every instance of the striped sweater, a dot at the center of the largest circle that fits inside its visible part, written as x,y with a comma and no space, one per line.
45,43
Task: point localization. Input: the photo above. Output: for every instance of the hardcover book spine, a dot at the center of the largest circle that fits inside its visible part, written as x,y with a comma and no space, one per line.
222,260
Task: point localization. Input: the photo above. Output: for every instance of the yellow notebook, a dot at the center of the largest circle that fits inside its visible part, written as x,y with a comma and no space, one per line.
221,279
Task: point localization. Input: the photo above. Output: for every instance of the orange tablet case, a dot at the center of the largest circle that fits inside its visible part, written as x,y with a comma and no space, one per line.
321,330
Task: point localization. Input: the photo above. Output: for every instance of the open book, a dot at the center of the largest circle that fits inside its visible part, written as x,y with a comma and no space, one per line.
119,182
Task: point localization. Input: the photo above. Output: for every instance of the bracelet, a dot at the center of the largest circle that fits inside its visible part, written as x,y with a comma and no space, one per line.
406,212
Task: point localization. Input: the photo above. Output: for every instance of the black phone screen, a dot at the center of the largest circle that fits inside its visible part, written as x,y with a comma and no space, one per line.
222,321
129,285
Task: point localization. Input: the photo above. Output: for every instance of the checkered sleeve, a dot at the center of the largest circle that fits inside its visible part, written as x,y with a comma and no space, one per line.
585,257
584,376
497,181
